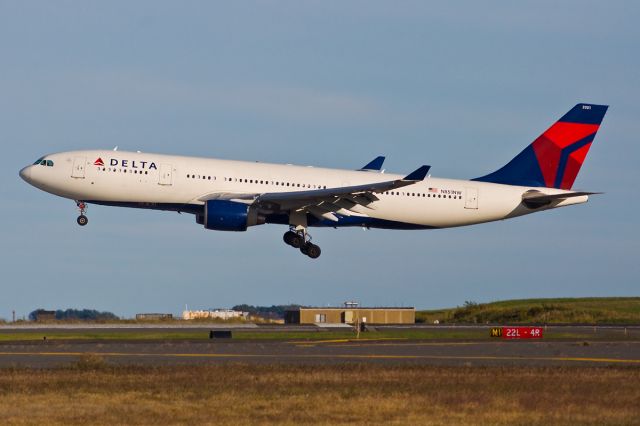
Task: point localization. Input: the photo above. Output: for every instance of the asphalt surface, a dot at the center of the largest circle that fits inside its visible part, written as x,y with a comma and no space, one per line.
633,330
396,352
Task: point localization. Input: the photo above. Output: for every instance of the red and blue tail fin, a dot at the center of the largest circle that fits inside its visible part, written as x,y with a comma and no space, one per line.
554,159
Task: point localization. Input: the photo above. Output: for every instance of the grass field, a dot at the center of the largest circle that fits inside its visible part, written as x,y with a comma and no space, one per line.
589,310
92,392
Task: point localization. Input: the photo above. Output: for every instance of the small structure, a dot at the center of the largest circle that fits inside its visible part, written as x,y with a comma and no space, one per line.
351,313
153,317
223,314
42,315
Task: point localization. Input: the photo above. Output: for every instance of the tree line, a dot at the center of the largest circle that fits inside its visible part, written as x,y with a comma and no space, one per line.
74,314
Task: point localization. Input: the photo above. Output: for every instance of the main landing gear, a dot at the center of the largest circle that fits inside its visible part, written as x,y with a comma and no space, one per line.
300,239
82,219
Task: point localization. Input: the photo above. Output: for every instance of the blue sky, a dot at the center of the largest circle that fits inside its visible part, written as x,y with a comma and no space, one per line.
462,87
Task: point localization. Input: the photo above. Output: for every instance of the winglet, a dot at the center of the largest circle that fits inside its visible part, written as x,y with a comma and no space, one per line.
374,165
418,174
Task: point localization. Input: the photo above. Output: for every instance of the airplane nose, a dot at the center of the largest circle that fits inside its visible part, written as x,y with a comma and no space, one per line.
25,173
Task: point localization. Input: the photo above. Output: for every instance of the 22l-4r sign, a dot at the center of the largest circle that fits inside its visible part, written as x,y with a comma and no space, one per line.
517,332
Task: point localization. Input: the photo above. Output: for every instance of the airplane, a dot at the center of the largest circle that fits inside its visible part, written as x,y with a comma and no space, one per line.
227,195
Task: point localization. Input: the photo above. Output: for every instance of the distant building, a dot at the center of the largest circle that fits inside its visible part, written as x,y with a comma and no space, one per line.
42,315
153,316
351,313
223,314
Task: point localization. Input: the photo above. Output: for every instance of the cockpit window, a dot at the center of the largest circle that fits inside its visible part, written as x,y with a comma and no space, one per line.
43,162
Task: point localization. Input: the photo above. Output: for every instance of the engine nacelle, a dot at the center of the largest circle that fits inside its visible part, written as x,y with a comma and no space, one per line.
223,215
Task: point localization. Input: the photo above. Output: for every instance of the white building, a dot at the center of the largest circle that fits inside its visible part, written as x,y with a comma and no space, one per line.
224,314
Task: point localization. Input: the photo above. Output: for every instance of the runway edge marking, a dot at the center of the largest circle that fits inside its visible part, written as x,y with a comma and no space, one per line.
320,356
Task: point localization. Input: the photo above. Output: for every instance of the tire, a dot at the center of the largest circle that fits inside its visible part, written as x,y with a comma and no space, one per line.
288,237
296,241
82,220
292,239
313,251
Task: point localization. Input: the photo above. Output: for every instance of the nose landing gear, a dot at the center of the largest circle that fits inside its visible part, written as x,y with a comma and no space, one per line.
82,219
300,239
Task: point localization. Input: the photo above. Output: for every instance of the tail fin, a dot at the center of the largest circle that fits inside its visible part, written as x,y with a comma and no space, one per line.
554,159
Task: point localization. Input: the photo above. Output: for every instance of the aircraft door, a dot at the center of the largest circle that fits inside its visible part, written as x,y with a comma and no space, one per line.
78,167
471,198
165,174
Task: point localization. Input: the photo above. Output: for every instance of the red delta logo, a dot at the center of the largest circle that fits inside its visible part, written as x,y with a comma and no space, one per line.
132,164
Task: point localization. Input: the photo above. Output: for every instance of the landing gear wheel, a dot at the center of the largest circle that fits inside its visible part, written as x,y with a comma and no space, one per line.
82,208
287,238
297,241
293,239
311,250
298,237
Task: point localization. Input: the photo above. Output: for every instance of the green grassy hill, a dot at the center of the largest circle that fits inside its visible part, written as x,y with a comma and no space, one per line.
588,310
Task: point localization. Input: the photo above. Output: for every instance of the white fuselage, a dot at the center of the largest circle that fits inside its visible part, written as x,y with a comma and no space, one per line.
168,182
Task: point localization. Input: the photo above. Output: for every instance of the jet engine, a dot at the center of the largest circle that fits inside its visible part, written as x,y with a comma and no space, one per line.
223,215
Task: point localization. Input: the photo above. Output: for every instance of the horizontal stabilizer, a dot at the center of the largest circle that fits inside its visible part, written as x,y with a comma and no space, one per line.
534,199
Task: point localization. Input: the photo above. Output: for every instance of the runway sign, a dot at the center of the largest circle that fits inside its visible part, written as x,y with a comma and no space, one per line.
517,332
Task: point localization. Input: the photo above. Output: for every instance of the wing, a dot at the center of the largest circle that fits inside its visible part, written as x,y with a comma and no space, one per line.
326,203
323,203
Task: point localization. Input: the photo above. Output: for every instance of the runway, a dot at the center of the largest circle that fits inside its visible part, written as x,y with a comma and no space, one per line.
632,330
396,352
